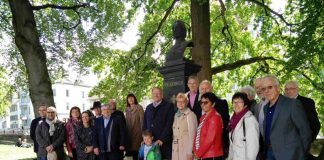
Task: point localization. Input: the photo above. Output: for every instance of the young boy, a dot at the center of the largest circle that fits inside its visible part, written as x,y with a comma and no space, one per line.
148,150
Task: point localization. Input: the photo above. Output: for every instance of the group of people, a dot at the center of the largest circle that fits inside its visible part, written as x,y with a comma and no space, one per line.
276,127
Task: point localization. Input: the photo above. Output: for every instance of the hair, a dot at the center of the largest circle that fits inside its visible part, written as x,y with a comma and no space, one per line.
91,116
51,108
295,83
194,77
249,91
183,96
212,98
272,78
131,95
147,133
205,82
158,88
42,104
243,96
77,108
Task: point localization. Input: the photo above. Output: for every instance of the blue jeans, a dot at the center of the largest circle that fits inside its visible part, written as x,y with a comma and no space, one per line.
270,155
42,158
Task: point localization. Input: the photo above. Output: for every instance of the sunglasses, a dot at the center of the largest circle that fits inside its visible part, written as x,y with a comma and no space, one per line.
204,102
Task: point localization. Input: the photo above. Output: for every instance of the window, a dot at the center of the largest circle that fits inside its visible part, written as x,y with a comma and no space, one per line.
83,107
83,94
13,108
25,122
67,93
54,92
14,118
67,106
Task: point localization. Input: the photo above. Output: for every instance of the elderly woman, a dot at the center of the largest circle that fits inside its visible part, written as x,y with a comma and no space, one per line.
75,117
184,130
134,122
208,140
83,136
243,130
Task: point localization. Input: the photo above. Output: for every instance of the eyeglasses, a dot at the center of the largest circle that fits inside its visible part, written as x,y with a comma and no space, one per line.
293,88
50,112
267,88
237,102
204,102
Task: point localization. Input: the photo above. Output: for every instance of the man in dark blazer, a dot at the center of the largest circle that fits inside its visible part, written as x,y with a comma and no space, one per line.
42,116
292,91
158,119
286,129
193,96
109,135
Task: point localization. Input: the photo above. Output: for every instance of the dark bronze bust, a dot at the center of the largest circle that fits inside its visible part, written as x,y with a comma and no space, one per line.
179,34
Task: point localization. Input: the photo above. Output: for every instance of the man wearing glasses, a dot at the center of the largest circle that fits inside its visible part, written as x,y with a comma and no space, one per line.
35,122
292,91
50,136
286,128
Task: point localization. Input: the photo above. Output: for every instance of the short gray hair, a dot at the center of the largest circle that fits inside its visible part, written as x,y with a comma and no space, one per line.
248,90
273,78
206,82
295,83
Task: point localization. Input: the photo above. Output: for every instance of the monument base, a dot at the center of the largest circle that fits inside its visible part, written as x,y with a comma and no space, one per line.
175,74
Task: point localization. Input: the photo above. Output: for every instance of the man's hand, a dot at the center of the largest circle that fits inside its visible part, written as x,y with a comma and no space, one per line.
96,151
89,149
49,148
70,154
121,148
159,142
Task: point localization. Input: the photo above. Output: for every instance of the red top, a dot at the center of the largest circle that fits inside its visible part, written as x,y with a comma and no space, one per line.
210,143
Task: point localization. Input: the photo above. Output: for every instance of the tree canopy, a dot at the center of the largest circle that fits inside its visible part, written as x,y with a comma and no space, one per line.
248,39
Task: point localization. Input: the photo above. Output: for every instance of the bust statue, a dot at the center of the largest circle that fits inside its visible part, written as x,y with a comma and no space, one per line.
179,34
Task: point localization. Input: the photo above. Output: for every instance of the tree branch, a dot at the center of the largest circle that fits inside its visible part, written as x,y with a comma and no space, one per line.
316,86
225,28
279,15
239,63
147,42
54,6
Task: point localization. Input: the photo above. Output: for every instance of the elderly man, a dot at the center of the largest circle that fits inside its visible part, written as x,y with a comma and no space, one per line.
250,92
292,91
42,116
50,136
222,108
109,135
286,128
158,119
193,96
113,104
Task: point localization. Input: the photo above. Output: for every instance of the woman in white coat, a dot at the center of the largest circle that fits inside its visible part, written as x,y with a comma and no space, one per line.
184,130
243,130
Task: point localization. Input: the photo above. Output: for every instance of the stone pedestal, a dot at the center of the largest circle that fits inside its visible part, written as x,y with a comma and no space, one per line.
175,74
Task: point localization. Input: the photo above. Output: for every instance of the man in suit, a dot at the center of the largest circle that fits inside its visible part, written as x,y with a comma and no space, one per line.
222,108
109,135
292,91
286,128
158,119
96,108
42,116
193,96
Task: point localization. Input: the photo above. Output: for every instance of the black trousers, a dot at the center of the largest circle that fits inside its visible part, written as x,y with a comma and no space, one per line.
116,155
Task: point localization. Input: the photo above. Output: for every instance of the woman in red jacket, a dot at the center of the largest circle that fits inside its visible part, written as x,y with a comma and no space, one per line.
208,140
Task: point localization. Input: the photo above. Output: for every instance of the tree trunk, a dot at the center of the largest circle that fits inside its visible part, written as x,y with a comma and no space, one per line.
200,21
34,56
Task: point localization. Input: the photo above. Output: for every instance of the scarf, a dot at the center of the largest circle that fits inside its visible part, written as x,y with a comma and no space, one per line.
179,113
51,125
236,118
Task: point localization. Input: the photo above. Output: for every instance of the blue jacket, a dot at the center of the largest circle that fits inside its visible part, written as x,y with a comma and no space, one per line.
114,134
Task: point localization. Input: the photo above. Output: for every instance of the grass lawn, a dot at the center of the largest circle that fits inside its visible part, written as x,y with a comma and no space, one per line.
10,152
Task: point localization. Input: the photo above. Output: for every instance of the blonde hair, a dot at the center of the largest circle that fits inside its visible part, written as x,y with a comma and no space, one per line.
182,96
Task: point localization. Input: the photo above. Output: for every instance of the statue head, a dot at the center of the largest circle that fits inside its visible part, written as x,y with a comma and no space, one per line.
179,30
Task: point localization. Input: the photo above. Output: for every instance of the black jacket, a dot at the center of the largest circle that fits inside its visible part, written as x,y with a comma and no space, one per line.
311,114
32,130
